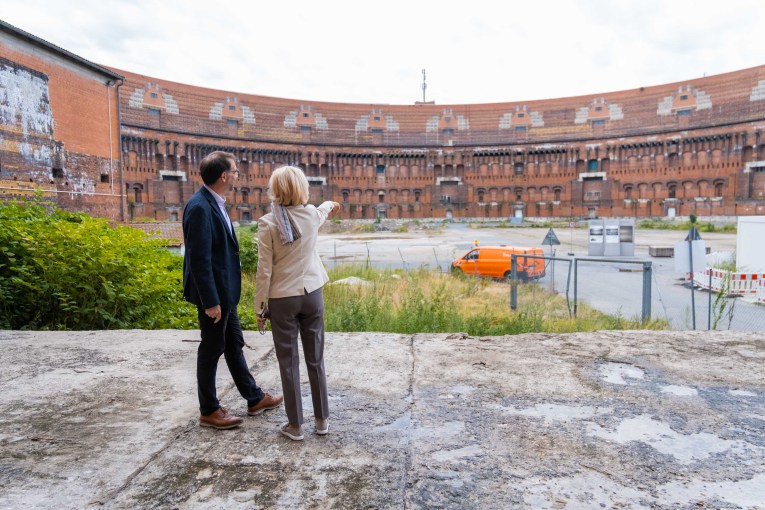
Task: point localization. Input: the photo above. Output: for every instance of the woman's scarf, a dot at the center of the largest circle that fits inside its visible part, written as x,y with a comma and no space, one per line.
289,230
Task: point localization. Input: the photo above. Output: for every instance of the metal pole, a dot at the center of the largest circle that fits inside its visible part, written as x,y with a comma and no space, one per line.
576,269
693,295
513,282
568,282
709,304
647,268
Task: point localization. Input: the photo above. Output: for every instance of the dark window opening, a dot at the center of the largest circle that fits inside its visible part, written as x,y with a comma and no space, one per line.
231,108
345,197
154,95
628,193
173,216
245,215
305,115
521,115
592,165
171,178
521,129
449,183
556,195
518,167
381,198
154,111
684,97
377,118
232,122
599,122
380,169
104,177
672,191
448,131
416,196
305,128
57,173
683,113
480,196
377,130
245,196
718,189
598,108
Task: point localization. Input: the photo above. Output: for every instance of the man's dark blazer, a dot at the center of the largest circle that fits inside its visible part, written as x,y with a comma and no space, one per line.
212,273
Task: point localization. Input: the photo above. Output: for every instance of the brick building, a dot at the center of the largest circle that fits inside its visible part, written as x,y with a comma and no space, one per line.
59,126
694,147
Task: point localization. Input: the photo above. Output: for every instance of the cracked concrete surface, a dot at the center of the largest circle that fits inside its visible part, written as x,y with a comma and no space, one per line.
609,419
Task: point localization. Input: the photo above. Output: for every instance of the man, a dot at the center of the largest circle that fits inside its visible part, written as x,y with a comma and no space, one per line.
212,280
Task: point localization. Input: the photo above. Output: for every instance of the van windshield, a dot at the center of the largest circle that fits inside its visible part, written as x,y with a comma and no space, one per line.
473,255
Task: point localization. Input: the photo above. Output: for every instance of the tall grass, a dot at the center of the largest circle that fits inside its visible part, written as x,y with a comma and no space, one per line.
423,301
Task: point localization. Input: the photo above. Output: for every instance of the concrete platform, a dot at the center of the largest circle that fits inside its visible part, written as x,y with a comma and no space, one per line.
107,419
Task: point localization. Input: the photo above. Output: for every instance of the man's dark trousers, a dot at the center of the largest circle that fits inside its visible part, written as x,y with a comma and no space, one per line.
224,338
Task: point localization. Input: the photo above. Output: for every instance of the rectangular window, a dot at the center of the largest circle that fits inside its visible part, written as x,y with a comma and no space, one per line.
598,108
684,97
232,122
231,107
154,95
305,128
598,122
305,115
520,129
377,118
521,115
683,113
380,169
154,112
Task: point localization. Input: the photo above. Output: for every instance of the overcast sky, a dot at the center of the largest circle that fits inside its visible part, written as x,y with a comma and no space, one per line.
474,51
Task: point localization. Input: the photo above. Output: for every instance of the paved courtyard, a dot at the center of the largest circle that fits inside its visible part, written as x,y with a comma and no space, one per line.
107,419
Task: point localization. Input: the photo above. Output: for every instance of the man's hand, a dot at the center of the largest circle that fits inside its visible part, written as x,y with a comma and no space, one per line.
335,207
213,313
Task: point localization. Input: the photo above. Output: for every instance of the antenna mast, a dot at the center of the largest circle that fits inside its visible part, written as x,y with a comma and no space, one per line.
424,85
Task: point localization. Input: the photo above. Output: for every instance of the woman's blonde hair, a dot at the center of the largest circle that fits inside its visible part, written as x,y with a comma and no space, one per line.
288,186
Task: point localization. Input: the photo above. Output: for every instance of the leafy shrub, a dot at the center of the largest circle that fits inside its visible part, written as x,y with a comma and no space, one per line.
248,248
63,270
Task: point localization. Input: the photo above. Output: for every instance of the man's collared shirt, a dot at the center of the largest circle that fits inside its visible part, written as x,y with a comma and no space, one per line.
221,201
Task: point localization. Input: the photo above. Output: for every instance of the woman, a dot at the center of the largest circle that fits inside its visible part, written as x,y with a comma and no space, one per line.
289,292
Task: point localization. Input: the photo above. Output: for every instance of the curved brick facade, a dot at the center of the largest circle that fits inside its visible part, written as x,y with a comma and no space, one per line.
685,148
694,147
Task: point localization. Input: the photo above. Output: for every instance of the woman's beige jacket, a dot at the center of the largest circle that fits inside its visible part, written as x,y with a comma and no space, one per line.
294,269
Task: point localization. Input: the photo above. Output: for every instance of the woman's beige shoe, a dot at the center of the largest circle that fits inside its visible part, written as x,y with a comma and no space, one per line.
293,432
322,426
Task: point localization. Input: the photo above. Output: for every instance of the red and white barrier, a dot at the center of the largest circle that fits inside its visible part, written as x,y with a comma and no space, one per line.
733,283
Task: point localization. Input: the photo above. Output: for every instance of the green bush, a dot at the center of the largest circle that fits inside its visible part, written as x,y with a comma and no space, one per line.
62,270
248,248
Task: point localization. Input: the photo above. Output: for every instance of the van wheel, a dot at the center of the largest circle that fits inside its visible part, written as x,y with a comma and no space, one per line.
522,276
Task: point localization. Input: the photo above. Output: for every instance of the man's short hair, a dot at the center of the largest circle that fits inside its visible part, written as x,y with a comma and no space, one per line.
214,164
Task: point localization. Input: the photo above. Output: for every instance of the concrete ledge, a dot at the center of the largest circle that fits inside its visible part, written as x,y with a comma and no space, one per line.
107,419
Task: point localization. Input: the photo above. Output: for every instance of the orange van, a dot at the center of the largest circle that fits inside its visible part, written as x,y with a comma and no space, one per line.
494,261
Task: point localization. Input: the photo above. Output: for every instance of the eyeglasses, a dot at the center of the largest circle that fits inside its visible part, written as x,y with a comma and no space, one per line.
234,171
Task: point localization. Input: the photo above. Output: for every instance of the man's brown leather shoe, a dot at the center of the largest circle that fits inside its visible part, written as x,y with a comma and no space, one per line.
220,419
268,402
